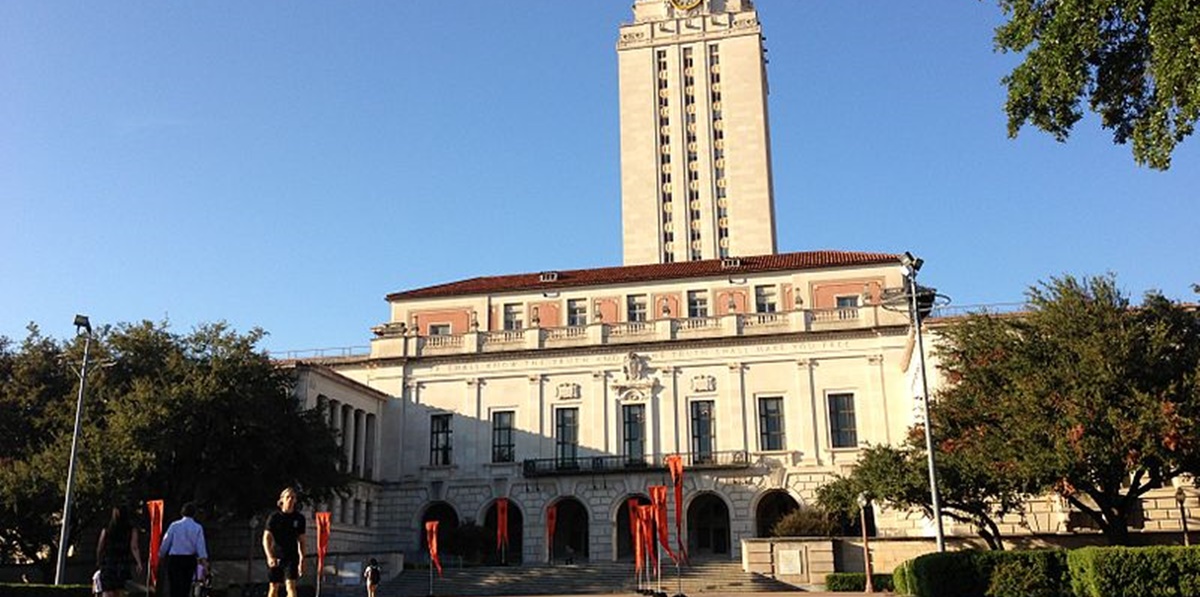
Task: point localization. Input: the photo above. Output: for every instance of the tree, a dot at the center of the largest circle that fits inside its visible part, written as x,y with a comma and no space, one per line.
971,487
1136,62
1083,395
202,417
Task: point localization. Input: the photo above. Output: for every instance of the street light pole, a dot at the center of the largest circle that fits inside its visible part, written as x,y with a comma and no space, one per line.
863,502
81,323
1181,499
912,265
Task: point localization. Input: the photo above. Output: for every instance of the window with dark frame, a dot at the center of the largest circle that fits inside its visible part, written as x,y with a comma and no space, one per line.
577,312
842,431
633,437
697,301
636,307
439,440
704,431
566,436
513,317
770,423
764,299
502,436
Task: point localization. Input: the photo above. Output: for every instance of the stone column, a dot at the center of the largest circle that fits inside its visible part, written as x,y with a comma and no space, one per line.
811,425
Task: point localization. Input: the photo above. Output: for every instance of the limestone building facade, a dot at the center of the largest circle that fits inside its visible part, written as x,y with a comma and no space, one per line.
563,391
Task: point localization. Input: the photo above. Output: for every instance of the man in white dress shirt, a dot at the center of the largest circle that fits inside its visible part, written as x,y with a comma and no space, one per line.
183,547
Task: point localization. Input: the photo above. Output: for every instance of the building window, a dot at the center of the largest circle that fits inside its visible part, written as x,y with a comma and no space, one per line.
697,301
842,432
704,431
439,329
367,513
636,307
577,312
566,436
764,299
634,436
847,306
770,423
513,316
357,510
439,440
502,436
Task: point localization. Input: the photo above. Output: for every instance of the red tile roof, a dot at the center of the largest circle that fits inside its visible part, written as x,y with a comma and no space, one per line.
647,273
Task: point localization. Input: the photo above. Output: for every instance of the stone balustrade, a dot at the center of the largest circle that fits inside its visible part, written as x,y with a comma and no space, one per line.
399,342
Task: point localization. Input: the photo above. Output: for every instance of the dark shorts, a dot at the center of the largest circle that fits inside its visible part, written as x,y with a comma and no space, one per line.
286,570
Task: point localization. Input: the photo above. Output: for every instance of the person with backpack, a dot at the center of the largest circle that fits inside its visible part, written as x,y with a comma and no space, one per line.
372,574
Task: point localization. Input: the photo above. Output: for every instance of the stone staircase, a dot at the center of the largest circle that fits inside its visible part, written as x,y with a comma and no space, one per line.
710,576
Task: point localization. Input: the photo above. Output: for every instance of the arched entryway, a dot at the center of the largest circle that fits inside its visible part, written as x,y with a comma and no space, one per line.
570,540
624,534
447,523
516,535
772,507
708,525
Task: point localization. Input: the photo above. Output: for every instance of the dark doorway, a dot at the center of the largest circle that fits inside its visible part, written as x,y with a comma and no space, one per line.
773,506
447,523
516,535
570,532
624,536
708,525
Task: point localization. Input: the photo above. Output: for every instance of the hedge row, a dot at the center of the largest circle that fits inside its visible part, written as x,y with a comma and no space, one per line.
1086,572
856,582
29,590
1041,573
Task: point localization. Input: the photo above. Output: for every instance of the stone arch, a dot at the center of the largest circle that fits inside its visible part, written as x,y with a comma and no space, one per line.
709,525
570,539
771,506
447,518
516,534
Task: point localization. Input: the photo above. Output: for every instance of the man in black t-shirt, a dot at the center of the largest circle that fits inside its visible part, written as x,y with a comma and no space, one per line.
283,542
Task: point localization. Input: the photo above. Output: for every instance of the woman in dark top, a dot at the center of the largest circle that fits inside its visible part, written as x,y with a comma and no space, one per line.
118,553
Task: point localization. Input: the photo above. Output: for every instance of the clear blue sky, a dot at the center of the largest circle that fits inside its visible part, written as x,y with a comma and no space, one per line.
287,164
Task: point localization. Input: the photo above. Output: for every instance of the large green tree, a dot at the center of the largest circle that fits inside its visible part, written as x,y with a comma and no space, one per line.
202,416
1135,62
1084,395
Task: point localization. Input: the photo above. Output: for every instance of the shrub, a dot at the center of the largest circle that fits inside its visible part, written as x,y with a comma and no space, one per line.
856,582
902,578
1029,574
1129,571
805,522
1040,573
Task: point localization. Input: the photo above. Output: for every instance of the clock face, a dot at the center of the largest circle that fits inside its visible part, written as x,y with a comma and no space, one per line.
686,4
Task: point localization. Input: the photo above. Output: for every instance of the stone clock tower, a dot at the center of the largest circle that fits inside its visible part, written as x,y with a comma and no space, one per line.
695,144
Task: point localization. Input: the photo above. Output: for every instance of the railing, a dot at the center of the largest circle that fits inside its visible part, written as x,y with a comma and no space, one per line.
615,465
699,323
632,328
503,337
567,333
755,320
442,342
320,353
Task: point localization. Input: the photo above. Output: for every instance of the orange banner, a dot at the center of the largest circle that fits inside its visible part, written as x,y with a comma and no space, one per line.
501,522
646,515
551,519
323,520
431,540
675,465
658,499
154,510
635,523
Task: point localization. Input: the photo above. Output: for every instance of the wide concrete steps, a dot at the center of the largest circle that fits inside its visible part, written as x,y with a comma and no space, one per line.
582,578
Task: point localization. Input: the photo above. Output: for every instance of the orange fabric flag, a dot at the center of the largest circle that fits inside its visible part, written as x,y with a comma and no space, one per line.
658,498
551,518
501,522
635,519
646,515
154,509
323,522
431,540
675,465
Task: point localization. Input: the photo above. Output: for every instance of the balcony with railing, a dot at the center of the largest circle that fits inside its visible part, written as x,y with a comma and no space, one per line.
620,465
397,341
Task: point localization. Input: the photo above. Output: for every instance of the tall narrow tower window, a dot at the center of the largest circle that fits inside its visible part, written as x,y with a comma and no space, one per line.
718,151
666,229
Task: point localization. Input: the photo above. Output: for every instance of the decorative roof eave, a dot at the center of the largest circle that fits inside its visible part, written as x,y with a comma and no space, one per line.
655,272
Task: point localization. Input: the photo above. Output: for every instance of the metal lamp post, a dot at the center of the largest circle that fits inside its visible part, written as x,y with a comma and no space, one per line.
864,500
911,266
82,326
1181,499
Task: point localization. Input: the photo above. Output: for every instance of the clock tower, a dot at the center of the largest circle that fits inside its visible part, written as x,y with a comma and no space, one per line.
695,145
